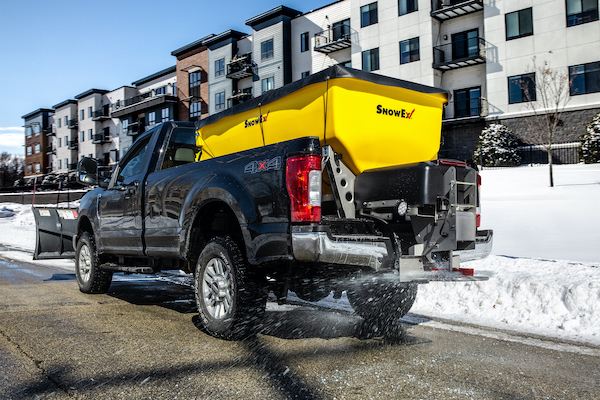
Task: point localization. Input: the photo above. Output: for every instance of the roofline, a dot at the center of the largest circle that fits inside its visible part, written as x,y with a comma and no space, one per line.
90,92
279,10
158,74
38,111
190,46
64,103
320,8
224,36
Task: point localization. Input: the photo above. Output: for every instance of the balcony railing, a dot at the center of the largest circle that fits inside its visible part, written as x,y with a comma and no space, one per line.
100,138
466,109
72,166
458,54
73,144
73,123
333,39
133,129
137,99
50,150
239,97
240,67
50,131
443,10
101,114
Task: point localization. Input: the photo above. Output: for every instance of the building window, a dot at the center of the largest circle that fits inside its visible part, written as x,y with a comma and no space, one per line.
305,74
219,100
37,168
37,148
66,141
304,42
28,131
370,60
175,89
341,29
266,49
58,142
585,78
66,163
81,115
521,88
66,121
195,110
59,164
90,134
89,112
465,44
407,6
268,84
28,150
195,81
152,118
160,90
368,15
519,24
164,114
220,67
581,11
467,102
82,136
36,129
409,50
58,123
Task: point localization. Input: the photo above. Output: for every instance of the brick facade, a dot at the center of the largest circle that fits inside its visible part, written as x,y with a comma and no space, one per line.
195,56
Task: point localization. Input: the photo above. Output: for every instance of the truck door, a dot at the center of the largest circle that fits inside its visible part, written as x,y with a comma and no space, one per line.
120,206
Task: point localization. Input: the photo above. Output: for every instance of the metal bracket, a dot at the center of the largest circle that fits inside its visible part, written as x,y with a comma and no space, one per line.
342,182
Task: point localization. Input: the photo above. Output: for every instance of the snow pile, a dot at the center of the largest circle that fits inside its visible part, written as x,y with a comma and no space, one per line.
554,298
530,289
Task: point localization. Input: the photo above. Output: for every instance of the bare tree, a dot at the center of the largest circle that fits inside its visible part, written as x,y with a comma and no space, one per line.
546,99
11,169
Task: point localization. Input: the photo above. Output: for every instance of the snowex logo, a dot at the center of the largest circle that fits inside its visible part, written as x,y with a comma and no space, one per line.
255,121
395,113
263,166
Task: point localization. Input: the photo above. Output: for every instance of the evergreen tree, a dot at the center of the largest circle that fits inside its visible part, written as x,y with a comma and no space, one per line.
590,142
498,147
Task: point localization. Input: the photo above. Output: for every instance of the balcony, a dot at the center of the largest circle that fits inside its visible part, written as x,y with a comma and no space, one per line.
73,144
73,123
142,102
72,166
333,39
470,109
459,54
133,129
50,131
239,97
101,138
443,10
240,67
101,114
50,150
137,99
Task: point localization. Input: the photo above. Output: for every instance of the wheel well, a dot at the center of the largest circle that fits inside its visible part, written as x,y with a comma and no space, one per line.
84,226
212,220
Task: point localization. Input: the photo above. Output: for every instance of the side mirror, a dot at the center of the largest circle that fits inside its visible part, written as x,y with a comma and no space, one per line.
87,171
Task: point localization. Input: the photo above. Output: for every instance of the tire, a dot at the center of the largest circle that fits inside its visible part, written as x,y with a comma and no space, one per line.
381,302
230,298
90,278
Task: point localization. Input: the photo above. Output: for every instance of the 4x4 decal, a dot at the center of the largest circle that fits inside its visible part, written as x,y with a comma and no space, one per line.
263,165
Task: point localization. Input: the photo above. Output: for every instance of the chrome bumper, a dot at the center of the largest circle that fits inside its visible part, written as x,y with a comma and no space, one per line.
318,247
483,247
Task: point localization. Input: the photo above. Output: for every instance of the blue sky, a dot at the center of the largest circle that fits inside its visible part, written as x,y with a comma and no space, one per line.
52,51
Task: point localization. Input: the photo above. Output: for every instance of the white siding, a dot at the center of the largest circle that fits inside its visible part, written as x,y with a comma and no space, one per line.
221,83
271,66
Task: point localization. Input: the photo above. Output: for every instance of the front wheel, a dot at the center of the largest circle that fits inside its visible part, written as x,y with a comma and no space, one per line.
230,297
90,278
380,301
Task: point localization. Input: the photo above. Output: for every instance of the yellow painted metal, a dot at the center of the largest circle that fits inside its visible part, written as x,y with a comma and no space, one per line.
370,124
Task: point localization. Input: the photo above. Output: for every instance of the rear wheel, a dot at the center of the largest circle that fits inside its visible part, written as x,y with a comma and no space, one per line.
230,298
90,278
380,301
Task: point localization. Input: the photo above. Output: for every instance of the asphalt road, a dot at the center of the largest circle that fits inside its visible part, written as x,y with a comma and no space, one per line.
140,341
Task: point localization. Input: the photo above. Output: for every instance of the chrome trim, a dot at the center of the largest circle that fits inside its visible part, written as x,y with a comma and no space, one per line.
483,247
318,247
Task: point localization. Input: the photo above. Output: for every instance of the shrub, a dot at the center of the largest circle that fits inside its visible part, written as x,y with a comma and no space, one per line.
590,142
497,147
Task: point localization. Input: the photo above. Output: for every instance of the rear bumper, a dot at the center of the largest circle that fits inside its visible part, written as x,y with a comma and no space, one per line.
483,247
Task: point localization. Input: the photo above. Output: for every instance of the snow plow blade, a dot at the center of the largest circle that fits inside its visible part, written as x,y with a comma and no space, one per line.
55,228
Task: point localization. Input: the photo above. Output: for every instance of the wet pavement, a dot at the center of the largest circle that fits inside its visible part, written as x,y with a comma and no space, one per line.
141,340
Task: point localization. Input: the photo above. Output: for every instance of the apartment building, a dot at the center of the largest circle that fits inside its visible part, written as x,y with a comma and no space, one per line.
63,143
38,124
153,100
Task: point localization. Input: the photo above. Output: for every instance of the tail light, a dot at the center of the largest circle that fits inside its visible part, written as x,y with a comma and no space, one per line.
478,212
303,175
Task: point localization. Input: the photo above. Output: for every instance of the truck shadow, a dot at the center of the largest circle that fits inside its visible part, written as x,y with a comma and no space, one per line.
289,321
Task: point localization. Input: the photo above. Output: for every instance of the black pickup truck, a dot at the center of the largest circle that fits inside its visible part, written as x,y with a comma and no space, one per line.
271,219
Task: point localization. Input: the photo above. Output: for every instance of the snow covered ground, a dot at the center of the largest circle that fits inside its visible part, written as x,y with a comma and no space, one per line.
544,270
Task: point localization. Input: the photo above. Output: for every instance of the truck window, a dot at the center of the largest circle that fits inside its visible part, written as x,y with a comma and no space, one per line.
181,148
134,165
